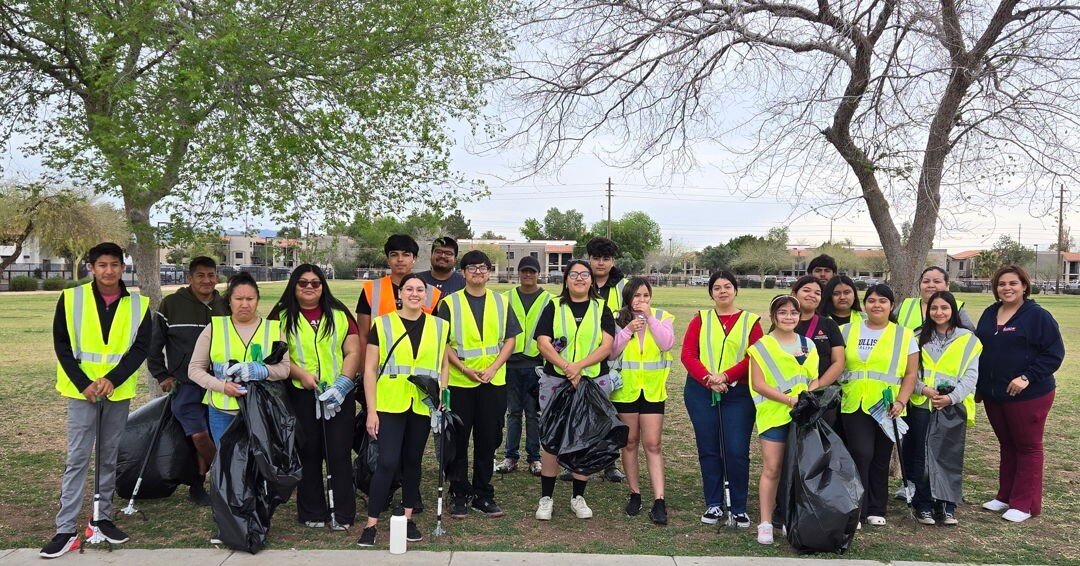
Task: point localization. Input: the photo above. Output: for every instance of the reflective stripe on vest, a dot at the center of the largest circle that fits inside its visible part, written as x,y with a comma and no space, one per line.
98,355
713,338
310,347
782,370
863,382
644,368
949,368
614,297
475,348
578,344
525,343
223,350
457,319
394,392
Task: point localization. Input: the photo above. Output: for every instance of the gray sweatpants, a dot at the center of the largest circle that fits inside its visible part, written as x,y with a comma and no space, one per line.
81,430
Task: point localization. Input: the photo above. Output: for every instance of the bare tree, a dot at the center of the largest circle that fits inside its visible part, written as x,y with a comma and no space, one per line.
932,108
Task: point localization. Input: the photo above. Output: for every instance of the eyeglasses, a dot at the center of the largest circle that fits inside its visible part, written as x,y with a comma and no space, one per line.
580,275
304,284
477,269
444,253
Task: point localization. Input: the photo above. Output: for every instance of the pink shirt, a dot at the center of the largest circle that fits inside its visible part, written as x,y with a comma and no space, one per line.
663,332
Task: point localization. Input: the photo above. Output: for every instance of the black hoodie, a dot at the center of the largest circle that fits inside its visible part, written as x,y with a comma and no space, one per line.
180,319
1029,344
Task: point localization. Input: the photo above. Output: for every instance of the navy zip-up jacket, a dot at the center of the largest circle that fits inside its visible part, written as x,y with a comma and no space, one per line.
1029,344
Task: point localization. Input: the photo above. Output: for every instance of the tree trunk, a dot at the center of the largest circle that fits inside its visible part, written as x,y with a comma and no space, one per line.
19,240
143,250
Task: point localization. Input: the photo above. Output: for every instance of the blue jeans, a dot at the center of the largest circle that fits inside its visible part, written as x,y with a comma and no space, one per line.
914,447
520,400
219,423
738,418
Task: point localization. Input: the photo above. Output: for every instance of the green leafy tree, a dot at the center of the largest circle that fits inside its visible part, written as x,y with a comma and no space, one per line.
456,226
715,258
491,235
1008,251
290,232
24,208
765,255
328,106
986,262
557,225
842,252
636,233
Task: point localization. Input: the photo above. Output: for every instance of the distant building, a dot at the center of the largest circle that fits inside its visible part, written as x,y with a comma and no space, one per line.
553,255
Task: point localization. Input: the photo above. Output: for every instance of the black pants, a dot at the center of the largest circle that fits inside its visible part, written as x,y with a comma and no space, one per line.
482,410
914,453
310,497
871,450
402,438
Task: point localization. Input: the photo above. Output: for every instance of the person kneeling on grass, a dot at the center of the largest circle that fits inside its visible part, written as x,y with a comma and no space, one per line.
782,365
101,335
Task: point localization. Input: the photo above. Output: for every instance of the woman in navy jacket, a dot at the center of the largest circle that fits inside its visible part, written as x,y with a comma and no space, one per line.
1022,348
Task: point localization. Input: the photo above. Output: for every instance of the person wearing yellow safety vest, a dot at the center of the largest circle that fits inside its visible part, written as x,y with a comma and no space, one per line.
841,301
402,343
783,364
527,301
949,371
324,358
642,351
101,335
230,352
380,296
714,355
609,284
483,328
574,334
880,355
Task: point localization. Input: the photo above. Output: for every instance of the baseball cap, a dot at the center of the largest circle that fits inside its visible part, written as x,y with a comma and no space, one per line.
529,262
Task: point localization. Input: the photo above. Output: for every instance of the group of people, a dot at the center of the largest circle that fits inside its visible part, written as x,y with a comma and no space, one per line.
498,357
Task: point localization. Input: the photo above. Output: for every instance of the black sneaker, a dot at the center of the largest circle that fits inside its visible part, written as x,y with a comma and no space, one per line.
614,474
633,505
712,515
61,544
412,532
367,537
925,518
111,532
459,508
658,513
742,520
487,507
197,494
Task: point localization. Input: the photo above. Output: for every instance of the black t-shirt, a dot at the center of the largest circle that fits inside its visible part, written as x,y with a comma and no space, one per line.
476,305
453,284
826,337
546,326
363,305
414,328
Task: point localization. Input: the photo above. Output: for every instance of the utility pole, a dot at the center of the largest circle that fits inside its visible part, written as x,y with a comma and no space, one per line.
609,208
1061,237
1018,228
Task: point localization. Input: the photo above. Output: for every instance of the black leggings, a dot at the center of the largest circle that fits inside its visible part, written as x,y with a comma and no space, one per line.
402,438
871,450
310,497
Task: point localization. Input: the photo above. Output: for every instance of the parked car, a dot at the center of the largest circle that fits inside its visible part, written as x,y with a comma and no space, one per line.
699,280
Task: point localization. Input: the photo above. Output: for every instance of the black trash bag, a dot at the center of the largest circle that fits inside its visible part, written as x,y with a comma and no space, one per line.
553,418
820,487
172,462
366,462
446,448
591,433
945,452
256,468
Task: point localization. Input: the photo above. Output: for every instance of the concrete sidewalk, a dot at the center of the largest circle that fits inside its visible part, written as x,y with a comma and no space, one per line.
211,557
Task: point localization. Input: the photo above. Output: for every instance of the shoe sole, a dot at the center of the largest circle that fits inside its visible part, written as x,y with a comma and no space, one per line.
705,521
543,517
492,515
365,545
414,539
589,516
71,545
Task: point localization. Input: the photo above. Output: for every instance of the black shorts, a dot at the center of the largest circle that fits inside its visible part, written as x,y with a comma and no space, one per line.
640,406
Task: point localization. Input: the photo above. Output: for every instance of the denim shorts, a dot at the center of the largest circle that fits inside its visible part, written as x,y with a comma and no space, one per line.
776,433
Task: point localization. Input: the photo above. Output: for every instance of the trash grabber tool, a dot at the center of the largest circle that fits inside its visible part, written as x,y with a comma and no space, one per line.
130,509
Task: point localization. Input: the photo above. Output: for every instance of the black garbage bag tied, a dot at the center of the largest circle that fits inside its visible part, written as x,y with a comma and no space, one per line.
581,427
256,468
172,461
945,452
820,488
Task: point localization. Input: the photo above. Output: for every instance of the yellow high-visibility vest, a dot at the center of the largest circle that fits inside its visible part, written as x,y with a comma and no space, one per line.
644,369
581,340
781,370
474,351
319,353
716,347
910,314
863,382
394,393
525,342
614,298
949,368
226,345
96,355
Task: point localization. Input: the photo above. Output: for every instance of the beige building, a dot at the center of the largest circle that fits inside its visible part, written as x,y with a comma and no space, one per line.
553,255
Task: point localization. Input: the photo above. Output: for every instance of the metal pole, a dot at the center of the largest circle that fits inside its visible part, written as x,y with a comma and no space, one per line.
1061,237
609,208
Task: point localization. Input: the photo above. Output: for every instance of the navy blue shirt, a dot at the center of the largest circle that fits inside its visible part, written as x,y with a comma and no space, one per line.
1028,344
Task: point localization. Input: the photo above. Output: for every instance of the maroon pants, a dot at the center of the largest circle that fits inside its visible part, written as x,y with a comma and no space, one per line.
1019,428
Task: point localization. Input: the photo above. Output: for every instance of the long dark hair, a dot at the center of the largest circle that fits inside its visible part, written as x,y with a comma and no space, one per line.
626,313
928,326
287,308
827,308
564,297
240,278
883,290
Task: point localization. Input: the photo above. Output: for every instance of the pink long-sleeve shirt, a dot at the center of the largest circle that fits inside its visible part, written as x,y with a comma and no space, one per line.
663,332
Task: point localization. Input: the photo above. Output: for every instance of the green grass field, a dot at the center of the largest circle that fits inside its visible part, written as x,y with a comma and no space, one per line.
33,440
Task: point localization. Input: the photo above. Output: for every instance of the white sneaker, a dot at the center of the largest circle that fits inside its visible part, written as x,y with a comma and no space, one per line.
995,505
765,533
580,508
876,521
543,511
1016,516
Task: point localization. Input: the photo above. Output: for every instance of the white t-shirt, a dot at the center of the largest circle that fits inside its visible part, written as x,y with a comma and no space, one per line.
868,338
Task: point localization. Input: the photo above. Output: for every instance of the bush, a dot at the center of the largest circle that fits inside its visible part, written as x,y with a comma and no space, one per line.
744,283
860,285
1035,290
55,284
23,283
770,282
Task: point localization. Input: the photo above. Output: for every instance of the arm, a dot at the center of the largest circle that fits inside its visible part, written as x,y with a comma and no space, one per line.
504,354
350,366
1049,349
364,322
548,352
907,386
200,364
691,355
622,338
128,367
155,360
663,332
371,362
62,346
757,380
444,371
305,377
967,383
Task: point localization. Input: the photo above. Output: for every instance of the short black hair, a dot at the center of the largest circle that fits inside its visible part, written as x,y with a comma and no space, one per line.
105,248
823,260
475,257
601,247
401,243
201,261
445,242
722,274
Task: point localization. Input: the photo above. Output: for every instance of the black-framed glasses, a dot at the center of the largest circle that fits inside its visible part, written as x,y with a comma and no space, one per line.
444,253
303,284
579,275
477,269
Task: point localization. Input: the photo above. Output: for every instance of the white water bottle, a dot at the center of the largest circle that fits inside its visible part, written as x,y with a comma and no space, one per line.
398,528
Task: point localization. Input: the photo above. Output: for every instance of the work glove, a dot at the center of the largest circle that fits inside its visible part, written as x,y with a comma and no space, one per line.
219,370
334,396
248,371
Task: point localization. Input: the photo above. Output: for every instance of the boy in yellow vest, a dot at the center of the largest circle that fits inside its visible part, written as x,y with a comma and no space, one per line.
482,331
101,335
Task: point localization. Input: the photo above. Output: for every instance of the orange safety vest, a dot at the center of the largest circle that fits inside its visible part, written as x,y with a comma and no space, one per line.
380,295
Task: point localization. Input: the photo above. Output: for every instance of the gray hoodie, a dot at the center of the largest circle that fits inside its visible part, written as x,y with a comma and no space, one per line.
935,348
